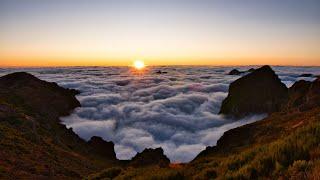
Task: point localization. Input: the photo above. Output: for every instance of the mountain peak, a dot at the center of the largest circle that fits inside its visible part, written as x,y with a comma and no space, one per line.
258,92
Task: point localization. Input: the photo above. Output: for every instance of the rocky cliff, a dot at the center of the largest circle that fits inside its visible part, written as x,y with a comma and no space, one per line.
150,157
258,92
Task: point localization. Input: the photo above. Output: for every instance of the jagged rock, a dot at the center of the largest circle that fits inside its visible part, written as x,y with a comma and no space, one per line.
251,70
258,92
102,147
235,72
304,95
161,72
150,157
41,96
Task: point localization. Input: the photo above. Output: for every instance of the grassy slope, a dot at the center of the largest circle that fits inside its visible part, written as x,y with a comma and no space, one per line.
290,151
30,150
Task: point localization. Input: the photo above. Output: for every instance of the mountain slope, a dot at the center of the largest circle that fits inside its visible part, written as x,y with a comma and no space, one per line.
33,142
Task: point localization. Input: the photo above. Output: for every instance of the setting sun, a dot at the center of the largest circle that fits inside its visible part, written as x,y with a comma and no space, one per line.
138,64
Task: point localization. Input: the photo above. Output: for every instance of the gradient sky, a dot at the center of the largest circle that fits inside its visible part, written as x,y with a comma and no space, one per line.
163,32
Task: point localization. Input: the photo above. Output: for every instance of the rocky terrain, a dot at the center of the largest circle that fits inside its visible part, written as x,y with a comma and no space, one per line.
285,145
258,92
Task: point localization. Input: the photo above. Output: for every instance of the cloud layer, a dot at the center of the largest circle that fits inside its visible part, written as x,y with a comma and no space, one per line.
177,110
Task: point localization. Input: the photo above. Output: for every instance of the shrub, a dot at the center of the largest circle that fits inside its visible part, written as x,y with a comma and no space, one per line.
299,169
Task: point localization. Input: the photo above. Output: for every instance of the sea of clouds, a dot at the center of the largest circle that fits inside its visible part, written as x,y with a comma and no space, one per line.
177,110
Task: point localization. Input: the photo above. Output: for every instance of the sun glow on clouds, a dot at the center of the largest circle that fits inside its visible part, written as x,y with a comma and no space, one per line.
138,64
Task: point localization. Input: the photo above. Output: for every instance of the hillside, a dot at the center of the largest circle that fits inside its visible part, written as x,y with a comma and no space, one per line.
33,142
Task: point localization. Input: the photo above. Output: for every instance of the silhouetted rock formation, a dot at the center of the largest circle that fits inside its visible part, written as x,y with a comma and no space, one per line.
161,72
258,92
304,95
150,157
102,147
235,72
41,96
251,70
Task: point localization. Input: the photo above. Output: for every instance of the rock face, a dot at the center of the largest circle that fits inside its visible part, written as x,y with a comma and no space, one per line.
150,157
258,92
102,148
235,72
161,72
304,95
41,96
251,70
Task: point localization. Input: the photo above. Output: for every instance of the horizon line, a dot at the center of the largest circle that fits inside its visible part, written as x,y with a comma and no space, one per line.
238,65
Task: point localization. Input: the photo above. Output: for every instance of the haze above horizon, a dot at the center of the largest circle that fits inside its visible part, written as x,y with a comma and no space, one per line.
116,33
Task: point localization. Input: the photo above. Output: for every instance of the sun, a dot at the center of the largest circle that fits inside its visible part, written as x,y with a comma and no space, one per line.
138,64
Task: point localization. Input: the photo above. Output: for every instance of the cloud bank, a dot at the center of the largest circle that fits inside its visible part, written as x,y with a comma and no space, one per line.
177,111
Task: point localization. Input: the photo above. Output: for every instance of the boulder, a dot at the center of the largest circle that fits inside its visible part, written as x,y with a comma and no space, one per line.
42,97
251,70
161,72
235,72
304,95
258,92
150,157
102,148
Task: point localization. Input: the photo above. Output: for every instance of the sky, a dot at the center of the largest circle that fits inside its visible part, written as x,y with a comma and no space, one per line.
175,32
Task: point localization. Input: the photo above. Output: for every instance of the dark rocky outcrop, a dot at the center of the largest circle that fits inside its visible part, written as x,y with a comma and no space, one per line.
258,92
103,148
235,72
40,96
303,95
251,70
150,157
161,72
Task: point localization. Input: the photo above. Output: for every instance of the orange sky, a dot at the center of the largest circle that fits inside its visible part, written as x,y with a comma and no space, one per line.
47,33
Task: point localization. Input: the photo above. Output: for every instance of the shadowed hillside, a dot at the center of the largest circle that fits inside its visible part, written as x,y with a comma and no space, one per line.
33,142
